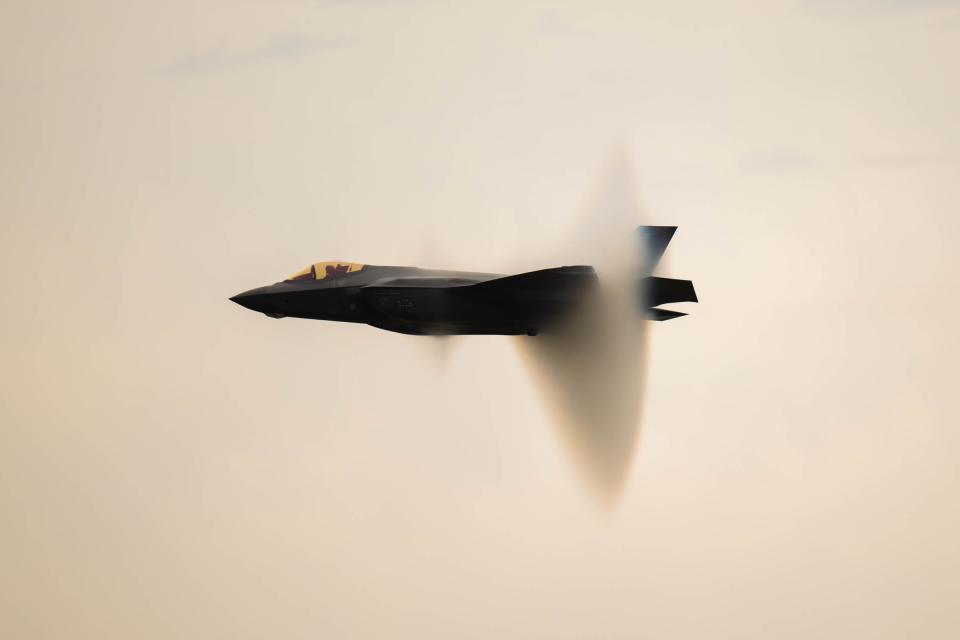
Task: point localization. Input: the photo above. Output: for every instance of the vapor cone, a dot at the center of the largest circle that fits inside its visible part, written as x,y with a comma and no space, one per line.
590,371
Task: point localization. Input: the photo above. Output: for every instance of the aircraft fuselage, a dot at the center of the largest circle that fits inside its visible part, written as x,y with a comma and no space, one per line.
423,302
431,302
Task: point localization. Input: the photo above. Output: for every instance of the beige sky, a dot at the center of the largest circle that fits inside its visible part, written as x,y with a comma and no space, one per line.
174,466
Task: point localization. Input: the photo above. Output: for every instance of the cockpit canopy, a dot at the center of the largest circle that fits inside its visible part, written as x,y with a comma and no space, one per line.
323,270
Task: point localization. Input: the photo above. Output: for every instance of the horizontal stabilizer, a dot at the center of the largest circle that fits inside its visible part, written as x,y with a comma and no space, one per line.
663,314
657,291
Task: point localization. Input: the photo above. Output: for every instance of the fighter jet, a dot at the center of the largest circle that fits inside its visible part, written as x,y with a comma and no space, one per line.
429,302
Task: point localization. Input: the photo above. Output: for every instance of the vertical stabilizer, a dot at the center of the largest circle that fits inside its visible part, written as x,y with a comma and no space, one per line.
654,241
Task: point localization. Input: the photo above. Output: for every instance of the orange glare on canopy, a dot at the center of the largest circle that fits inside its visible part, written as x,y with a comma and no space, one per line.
306,272
321,270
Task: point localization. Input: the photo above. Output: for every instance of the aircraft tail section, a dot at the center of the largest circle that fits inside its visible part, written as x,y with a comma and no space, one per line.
654,291
548,293
659,291
654,241
660,315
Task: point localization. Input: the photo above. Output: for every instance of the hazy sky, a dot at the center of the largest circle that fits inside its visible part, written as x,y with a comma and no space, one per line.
172,465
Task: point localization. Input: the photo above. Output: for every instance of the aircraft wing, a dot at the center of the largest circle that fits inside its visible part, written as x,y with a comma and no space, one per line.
428,282
545,284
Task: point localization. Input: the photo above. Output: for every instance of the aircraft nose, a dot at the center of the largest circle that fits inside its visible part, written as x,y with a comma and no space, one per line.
255,300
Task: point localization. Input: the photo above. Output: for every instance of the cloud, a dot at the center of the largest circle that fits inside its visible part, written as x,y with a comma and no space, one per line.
866,8
944,10
905,160
369,1
279,47
777,161
792,161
